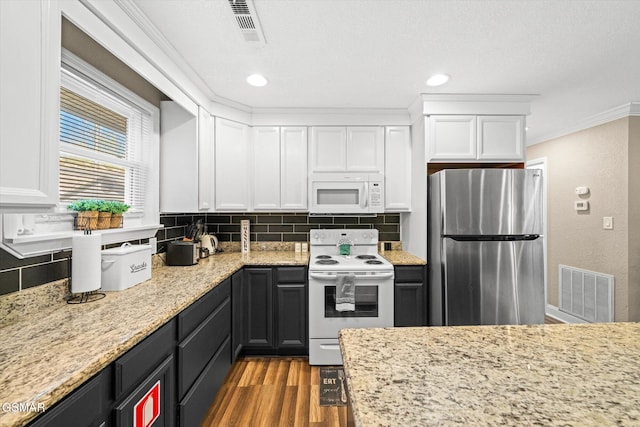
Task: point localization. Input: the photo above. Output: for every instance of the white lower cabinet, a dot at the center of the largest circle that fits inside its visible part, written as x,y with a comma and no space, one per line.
29,117
232,165
279,168
397,169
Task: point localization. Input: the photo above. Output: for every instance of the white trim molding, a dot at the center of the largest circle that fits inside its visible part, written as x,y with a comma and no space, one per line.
630,109
554,312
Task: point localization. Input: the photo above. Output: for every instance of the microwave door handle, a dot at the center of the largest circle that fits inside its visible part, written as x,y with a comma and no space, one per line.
366,195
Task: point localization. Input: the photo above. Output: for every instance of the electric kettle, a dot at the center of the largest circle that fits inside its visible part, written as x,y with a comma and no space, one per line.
209,242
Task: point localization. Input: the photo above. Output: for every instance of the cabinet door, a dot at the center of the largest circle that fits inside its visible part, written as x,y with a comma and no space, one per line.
258,308
365,149
153,402
293,168
178,159
206,135
291,315
409,304
232,173
236,314
29,116
328,149
89,405
397,168
452,138
501,138
266,168
410,297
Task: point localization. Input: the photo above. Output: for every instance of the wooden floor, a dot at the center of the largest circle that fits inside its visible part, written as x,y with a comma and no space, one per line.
273,391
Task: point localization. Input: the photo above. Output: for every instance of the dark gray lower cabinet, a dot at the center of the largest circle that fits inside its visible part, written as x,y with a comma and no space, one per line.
258,308
204,354
176,371
152,402
410,296
237,325
89,405
275,311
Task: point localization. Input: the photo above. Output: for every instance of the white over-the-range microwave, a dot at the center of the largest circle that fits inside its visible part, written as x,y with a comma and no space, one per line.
346,193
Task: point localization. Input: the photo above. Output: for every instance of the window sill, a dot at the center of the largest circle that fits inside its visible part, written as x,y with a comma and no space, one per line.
31,245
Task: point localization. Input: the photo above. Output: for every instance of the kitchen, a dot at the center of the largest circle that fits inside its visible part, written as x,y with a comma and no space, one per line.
581,132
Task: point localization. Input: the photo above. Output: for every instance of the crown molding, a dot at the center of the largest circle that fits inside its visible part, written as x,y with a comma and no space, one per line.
630,109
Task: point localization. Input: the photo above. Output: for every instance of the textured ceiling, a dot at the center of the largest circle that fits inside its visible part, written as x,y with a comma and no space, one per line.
580,57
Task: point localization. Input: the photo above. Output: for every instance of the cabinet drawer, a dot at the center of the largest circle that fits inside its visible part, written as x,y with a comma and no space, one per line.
198,348
195,404
164,400
410,273
291,275
191,317
138,362
87,406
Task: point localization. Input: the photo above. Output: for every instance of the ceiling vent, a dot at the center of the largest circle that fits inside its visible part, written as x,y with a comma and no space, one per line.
247,20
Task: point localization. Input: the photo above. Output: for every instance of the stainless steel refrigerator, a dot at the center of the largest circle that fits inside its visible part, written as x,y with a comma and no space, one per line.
485,246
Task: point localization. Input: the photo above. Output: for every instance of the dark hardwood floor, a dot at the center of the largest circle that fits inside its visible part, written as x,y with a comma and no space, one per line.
272,391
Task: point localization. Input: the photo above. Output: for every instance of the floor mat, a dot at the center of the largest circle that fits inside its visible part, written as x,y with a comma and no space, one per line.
333,386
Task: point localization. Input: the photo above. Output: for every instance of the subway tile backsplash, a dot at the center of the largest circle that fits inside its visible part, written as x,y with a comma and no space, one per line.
274,227
19,274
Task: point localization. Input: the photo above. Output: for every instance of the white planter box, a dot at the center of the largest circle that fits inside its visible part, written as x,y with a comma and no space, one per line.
125,266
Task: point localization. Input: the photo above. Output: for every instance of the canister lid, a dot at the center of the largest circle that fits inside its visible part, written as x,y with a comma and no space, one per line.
126,248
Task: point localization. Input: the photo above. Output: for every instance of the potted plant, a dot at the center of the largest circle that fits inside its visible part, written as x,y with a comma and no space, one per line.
87,213
104,214
117,209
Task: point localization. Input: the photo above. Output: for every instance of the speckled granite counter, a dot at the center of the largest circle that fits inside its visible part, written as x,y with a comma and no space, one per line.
402,258
49,348
570,375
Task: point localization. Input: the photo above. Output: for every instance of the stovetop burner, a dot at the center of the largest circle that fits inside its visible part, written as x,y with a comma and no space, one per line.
366,257
323,257
373,261
326,261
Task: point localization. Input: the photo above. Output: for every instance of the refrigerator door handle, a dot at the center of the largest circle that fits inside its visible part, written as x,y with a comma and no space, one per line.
496,238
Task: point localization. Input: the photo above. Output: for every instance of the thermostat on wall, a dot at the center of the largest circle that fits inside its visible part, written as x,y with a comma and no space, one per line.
581,205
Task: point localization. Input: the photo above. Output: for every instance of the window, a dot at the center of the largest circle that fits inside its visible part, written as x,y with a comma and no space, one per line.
108,141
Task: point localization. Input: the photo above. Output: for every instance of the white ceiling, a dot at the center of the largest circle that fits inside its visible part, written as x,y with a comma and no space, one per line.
581,57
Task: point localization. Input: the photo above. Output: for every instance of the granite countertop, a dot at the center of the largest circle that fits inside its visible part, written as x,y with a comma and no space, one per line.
400,257
49,348
587,375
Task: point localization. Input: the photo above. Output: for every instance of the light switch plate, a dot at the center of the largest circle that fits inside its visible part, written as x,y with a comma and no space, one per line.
607,222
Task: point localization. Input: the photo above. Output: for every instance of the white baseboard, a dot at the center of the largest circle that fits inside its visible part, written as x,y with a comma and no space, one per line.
554,312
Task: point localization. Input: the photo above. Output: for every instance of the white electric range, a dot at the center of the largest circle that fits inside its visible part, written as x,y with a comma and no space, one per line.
372,277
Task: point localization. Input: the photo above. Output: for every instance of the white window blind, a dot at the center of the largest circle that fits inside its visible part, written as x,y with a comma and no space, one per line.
103,138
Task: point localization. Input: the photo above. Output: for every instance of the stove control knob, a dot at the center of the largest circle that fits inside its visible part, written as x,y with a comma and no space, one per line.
316,235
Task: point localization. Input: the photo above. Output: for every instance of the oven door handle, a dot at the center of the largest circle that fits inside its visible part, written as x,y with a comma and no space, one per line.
333,277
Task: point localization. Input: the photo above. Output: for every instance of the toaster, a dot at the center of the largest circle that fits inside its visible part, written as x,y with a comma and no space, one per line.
182,253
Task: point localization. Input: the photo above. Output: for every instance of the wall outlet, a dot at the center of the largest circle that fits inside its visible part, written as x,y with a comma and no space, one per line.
607,222
153,242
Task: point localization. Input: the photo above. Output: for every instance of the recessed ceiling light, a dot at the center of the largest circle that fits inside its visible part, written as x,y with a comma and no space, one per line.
257,80
437,80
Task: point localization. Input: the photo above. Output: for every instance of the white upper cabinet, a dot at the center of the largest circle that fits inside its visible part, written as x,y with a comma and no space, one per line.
347,149
279,168
452,137
179,164
266,168
232,166
29,105
501,138
206,160
293,168
475,138
397,168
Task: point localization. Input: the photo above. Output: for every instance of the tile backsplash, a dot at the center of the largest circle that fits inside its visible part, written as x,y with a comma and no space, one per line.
19,274
274,227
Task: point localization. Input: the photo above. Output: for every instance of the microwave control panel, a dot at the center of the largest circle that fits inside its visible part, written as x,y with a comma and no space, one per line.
375,195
